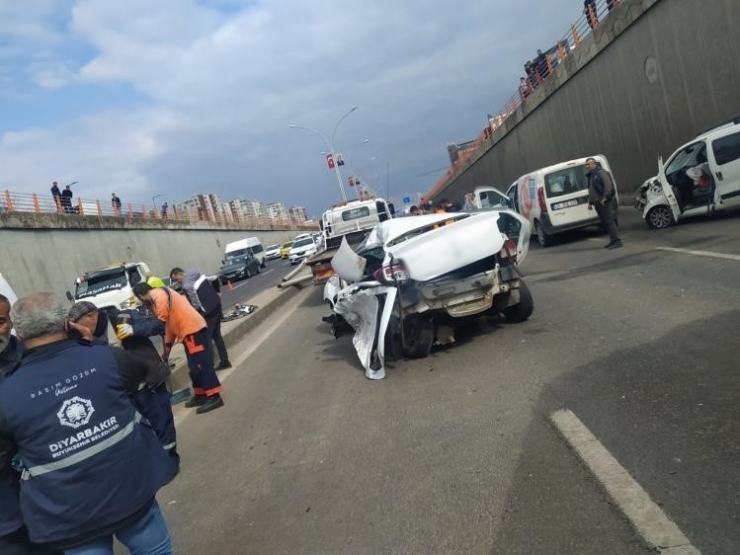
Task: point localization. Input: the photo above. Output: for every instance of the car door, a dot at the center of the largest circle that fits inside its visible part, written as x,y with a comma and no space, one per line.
725,164
513,194
668,191
492,199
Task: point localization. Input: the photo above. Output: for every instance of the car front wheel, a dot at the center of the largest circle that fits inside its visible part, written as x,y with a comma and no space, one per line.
524,308
659,217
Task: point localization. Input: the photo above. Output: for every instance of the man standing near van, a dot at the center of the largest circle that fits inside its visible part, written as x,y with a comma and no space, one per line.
602,195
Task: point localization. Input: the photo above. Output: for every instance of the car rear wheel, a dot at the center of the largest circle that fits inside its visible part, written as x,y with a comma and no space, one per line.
659,217
418,336
248,273
543,238
524,308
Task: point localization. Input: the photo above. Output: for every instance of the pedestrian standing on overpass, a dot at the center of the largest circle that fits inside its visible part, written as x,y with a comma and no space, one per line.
206,300
185,324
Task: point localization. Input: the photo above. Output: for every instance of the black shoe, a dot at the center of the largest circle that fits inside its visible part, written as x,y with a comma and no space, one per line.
223,365
212,403
609,244
196,401
615,245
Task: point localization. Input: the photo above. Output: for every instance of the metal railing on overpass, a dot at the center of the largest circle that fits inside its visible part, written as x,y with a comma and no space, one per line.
33,203
537,70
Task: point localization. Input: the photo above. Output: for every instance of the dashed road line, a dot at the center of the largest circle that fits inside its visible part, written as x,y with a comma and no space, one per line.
701,253
644,514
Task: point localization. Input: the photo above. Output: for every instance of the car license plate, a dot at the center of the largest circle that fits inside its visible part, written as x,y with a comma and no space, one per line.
565,204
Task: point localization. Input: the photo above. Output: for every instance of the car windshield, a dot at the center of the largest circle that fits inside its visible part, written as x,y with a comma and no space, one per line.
101,282
273,247
303,243
288,244
566,181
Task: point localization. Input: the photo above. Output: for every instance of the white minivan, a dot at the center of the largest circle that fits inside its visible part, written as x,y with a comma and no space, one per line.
555,199
250,245
700,177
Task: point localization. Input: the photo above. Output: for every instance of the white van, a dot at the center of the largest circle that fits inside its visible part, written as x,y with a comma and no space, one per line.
555,199
699,177
250,245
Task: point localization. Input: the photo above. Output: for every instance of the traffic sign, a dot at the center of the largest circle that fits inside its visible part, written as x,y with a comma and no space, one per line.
407,200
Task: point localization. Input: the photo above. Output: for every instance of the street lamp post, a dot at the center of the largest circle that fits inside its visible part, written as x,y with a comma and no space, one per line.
330,146
154,202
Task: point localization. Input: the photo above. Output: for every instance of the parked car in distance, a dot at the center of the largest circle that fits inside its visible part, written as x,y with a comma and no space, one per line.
241,266
700,177
272,252
285,250
301,249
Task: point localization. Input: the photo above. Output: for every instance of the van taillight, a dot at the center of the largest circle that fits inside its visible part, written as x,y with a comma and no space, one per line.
392,274
541,198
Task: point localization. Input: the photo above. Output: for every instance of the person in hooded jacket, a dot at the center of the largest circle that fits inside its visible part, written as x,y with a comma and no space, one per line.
67,416
602,195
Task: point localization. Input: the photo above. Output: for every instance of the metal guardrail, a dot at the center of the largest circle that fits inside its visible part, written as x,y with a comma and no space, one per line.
592,16
48,204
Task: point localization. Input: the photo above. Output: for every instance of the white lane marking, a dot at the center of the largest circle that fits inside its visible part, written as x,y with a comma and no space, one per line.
253,346
267,272
645,515
701,253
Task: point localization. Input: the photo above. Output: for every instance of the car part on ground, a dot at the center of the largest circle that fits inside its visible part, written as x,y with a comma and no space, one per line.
239,311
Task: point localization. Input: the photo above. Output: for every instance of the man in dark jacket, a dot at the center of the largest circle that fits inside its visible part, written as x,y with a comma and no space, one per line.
206,300
87,315
57,194
67,413
13,534
66,198
603,196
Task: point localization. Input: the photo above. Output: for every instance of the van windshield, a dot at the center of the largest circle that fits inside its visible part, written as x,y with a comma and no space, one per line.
100,282
234,256
566,181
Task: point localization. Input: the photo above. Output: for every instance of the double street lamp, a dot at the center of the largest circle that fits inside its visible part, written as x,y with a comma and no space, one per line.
330,146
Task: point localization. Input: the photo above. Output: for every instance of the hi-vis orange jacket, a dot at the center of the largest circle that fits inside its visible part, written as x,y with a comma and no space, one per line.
180,318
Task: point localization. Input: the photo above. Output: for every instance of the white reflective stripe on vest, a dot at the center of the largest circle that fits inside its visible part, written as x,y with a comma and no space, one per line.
84,454
199,281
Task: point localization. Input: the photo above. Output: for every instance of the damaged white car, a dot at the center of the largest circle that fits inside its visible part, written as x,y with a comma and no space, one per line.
415,278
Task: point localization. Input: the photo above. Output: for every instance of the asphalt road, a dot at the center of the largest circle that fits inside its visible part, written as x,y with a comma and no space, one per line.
245,289
455,453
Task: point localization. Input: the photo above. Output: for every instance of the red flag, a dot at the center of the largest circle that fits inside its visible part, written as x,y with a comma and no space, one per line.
330,161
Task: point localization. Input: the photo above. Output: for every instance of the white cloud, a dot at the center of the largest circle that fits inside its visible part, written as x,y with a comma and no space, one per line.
220,80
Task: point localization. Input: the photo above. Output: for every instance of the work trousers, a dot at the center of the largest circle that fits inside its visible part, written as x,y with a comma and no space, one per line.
213,321
199,355
154,405
608,216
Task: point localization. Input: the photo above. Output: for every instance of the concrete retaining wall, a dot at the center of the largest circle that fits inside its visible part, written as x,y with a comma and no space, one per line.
35,256
655,74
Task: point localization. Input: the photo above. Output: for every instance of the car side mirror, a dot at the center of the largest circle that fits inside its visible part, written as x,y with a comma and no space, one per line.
70,298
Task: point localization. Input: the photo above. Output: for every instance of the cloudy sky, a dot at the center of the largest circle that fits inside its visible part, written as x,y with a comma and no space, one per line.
175,97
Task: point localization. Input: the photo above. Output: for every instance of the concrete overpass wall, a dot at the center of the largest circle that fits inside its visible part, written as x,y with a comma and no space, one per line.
46,252
654,75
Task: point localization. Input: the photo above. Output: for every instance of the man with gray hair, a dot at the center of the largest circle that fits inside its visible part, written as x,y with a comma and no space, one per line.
91,465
